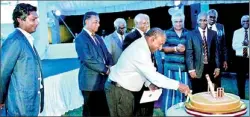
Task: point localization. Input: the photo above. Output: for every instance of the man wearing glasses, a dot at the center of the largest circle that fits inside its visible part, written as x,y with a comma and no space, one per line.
219,28
114,41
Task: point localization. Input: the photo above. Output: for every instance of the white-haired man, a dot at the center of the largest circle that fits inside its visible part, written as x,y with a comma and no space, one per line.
212,16
114,41
241,46
141,27
174,68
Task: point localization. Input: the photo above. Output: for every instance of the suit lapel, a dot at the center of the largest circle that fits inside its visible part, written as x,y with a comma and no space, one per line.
92,42
209,38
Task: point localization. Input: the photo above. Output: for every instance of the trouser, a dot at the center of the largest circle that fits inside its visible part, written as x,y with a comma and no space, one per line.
144,109
95,104
120,100
200,84
242,68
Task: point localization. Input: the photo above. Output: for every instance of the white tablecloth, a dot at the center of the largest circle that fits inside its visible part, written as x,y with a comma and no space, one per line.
61,94
179,109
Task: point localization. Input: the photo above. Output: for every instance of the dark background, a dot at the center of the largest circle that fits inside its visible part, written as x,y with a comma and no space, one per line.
228,14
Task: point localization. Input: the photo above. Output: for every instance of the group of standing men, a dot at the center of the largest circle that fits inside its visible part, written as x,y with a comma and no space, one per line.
115,71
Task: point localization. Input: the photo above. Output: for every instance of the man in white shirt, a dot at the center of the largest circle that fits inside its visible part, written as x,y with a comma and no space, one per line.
142,25
114,41
132,70
241,46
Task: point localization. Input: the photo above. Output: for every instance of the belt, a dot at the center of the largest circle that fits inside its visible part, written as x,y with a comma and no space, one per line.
115,83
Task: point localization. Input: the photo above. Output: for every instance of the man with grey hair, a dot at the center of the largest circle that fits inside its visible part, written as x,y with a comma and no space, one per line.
114,41
130,73
241,46
174,68
142,24
202,55
219,28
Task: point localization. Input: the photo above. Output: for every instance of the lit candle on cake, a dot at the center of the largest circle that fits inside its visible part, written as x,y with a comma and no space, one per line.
210,85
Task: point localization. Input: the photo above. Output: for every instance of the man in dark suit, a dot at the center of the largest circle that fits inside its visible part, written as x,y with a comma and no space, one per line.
21,82
141,27
219,28
95,63
114,41
202,54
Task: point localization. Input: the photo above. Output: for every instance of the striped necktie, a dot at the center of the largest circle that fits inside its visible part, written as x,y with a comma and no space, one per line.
245,53
204,44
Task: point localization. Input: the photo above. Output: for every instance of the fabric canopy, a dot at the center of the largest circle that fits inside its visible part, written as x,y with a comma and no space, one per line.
81,7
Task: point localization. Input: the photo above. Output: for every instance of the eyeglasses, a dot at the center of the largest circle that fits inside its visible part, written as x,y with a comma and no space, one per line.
204,20
122,27
245,21
212,17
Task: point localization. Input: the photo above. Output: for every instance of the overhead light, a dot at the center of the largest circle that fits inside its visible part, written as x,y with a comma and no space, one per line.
57,12
177,2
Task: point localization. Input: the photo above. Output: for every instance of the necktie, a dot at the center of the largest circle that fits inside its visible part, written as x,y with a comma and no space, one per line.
210,27
95,39
98,44
245,53
204,44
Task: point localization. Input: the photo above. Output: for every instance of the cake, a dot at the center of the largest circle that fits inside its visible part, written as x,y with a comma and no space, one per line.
204,104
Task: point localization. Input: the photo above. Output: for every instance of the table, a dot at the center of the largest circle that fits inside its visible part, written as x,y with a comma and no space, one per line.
179,109
61,93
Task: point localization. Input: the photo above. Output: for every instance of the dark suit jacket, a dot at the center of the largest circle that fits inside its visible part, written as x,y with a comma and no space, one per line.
194,51
94,61
222,42
20,70
130,38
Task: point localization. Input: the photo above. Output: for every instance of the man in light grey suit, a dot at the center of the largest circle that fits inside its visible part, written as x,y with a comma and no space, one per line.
21,81
114,41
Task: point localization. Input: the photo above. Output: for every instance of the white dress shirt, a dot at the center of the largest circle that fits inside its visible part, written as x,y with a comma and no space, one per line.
201,32
213,27
121,37
238,38
31,42
90,34
135,66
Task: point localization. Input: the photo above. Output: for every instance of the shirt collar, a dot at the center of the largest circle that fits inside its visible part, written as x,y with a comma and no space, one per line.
142,33
211,25
201,30
28,36
90,34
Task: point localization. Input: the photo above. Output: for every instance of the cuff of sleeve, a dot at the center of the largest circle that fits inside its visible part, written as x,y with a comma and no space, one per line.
191,70
177,85
105,70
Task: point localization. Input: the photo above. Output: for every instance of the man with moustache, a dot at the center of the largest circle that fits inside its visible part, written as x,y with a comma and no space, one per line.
95,63
142,23
219,28
114,41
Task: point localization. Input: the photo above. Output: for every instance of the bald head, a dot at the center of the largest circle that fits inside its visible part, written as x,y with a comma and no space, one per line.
155,38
